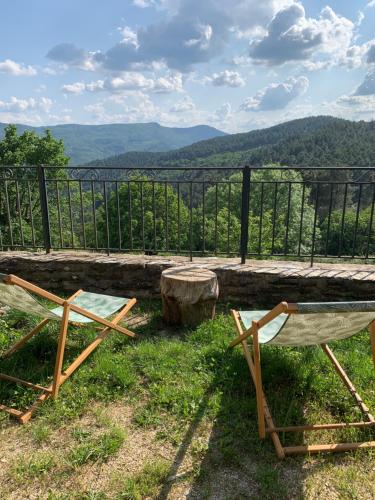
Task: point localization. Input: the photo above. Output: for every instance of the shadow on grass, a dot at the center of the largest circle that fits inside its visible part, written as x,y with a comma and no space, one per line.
236,463
193,378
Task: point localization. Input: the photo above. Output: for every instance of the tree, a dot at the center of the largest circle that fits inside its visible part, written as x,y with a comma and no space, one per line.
281,217
20,215
143,215
349,234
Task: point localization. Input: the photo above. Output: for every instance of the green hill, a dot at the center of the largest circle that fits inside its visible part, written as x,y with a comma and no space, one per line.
313,142
84,143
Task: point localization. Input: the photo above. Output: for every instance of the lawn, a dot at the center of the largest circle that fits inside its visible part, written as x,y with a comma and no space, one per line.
172,414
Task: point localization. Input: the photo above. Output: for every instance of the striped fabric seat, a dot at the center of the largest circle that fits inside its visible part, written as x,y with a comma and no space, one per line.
101,305
315,323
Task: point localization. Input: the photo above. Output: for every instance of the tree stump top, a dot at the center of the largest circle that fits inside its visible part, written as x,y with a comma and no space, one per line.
189,284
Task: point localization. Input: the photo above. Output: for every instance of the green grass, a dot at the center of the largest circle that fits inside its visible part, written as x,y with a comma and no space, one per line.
35,466
179,383
146,483
95,449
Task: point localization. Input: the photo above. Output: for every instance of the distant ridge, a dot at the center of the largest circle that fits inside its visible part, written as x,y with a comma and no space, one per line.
84,143
313,141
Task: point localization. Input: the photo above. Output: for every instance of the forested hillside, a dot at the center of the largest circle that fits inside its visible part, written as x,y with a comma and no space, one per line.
312,142
84,143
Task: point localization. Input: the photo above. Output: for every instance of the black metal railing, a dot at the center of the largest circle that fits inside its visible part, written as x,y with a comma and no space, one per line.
259,212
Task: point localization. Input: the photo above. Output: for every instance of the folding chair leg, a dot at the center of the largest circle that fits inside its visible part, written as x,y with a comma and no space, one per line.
98,340
262,401
24,339
60,350
258,382
372,337
349,384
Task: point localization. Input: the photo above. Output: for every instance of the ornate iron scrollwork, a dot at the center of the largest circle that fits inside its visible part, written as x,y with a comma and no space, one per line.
85,174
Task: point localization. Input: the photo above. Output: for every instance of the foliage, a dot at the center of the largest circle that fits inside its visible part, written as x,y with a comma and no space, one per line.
158,219
349,234
85,143
319,141
20,200
30,149
275,221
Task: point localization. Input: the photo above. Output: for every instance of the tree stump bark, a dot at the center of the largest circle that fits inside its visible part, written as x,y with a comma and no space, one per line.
189,295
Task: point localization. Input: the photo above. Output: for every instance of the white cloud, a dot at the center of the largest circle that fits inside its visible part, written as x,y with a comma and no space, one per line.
292,36
129,81
182,106
226,78
41,88
16,69
204,36
74,88
16,105
193,32
277,95
71,55
352,107
224,112
129,36
367,87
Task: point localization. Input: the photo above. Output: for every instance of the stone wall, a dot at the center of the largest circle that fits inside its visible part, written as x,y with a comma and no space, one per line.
258,283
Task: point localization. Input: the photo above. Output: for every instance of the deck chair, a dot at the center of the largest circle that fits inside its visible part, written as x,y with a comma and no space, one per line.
304,324
82,307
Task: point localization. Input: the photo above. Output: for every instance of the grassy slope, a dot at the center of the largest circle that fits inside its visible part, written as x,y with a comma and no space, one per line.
185,404
84,143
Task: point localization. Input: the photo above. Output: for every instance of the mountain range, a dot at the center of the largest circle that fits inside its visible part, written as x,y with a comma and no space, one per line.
85,143
317,141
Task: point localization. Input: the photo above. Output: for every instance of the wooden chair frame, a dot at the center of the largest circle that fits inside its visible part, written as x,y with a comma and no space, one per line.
266,424
59,376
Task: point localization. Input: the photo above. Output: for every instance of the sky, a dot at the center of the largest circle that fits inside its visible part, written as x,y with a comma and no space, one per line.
236,65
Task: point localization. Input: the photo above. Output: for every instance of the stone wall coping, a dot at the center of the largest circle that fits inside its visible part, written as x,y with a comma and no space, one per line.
259,283
285,268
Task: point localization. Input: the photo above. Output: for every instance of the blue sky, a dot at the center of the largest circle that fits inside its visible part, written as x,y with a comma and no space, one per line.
233,64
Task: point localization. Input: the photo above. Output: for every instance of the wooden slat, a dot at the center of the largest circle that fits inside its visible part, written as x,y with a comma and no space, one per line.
258,382
89,349
101,321
26,416
319,427
347,382
327,448
60,350
372,337
11,411
15,280
37,387
24,339
276,311
267,414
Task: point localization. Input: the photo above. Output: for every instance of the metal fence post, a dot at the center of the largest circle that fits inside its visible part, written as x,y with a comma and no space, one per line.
245,206
44,208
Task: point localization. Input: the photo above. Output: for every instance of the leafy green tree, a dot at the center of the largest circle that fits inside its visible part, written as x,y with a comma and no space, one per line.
158,221
20,217
348,235
30,149
277,200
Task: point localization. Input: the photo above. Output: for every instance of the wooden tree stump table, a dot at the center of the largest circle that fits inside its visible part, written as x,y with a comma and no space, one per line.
189,295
